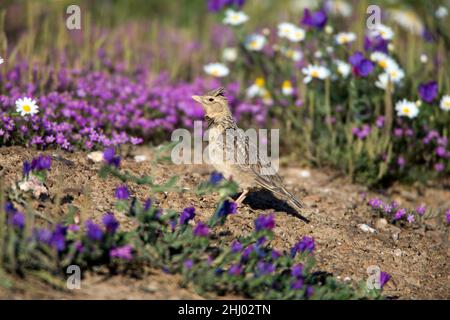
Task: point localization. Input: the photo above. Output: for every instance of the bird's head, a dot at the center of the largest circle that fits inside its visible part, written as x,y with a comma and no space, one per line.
214,104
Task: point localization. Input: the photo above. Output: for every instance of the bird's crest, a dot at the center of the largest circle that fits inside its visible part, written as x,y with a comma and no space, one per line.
219,92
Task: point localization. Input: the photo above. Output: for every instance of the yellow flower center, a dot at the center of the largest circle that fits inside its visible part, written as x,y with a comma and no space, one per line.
406,110
254,44
260,82
383,64
447,104
26,108
287,84
215,72
315,73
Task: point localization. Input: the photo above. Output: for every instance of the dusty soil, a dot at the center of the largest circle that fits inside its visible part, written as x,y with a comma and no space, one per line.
416,256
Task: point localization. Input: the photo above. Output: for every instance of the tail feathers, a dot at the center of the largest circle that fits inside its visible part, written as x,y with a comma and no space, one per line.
289,197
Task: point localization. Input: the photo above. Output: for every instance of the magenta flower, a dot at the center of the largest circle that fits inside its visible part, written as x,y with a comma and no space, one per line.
399,214
421,210
124,252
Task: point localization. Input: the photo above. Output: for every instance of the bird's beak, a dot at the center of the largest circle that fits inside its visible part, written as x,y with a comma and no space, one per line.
197,98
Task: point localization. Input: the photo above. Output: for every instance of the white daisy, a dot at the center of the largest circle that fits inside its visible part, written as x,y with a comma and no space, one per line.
230,54
315,72
26,106
255,42
295,55
216,69
383,31
345,37
1,60
235,18
445,103
394,77
343,68
406,108
285,29
257,89
441,12
287,88
383,60
297,35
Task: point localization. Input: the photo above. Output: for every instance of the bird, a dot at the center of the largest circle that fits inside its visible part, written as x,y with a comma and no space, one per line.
248,174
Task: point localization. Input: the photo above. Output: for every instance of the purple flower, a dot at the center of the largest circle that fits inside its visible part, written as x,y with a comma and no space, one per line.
124,252
362,67
201,230
235,270
93,231
122,192
41,163
297,284
227,207
215,178
447,215
375,203
236,246
43,235
265,267
18,220
384,278
380,122
421,210
110,222
376,43
316,19
188,264
9,208
109,156
399,214
26,168
187,214
428,91
265,222
410,218
439,167
401,161
217,5
297,270
304,245
441,152
58,238
73,228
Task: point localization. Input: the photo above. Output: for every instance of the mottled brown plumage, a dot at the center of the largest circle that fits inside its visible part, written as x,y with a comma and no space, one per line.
246,173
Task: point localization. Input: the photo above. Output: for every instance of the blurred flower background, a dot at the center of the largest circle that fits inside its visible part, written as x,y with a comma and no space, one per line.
372,103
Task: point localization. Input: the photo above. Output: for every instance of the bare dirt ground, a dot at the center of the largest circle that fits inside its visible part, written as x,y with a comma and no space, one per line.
416,256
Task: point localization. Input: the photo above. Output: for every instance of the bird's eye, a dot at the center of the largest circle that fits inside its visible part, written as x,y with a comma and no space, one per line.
211,99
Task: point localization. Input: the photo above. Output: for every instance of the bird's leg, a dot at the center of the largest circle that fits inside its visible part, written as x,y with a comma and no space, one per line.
242,197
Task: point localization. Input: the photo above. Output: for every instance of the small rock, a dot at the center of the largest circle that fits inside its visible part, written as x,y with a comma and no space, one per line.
304,173
96,156
381,223
366,228
398,252
140,158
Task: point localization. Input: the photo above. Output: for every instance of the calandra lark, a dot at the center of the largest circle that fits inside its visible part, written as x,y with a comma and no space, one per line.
248,174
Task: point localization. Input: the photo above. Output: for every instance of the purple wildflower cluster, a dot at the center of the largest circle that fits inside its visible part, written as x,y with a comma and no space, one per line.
393,211
362,66
41,163
91,109
217,5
